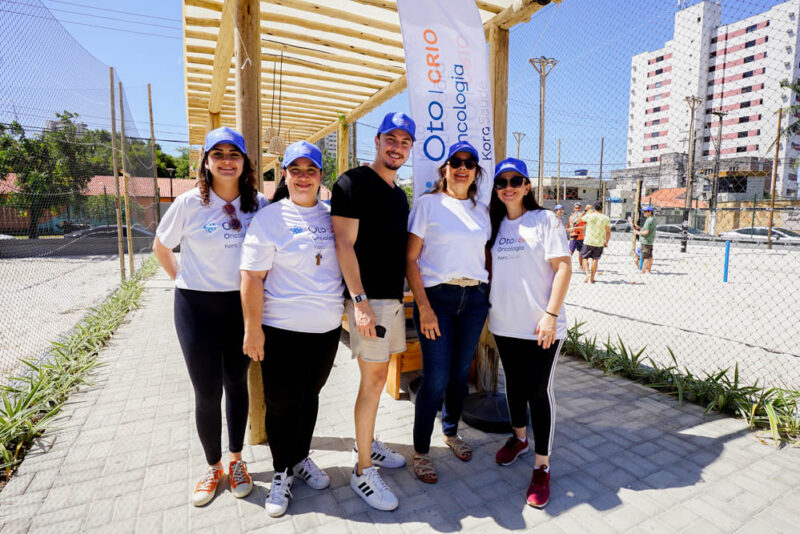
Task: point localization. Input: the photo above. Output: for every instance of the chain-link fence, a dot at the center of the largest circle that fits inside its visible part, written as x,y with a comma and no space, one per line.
60,208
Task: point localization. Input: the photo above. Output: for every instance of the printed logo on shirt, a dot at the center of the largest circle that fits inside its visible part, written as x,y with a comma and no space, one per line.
295,230
210,227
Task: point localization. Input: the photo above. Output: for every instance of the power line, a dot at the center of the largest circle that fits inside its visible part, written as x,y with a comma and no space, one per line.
95,16
89,25
114,11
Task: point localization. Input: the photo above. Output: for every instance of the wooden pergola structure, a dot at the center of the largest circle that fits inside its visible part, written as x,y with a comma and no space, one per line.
307,69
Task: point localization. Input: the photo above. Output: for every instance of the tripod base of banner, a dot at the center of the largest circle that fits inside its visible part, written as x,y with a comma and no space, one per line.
488,412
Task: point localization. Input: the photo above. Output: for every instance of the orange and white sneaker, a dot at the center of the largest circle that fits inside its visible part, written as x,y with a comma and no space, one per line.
207,486
241,483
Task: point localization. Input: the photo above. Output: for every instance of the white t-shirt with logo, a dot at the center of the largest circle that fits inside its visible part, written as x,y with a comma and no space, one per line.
304,290
210,248
454,234
522,277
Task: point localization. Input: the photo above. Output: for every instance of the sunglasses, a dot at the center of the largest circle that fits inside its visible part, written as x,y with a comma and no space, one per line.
455,163
515,182
230,211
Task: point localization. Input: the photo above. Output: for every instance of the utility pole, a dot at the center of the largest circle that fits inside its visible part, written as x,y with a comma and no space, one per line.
693,102
115,172
519,136
774,179
600,180
558,172
712,223
156,194
543,66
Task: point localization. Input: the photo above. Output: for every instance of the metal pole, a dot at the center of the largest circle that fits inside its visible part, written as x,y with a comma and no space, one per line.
558,173
637,206
153,152
753,219
600,180
774,179
519,136
605,195
115,170
125,176
693,102
712,225
541,65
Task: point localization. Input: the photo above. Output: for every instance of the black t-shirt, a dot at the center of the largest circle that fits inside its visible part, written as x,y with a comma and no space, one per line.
382,213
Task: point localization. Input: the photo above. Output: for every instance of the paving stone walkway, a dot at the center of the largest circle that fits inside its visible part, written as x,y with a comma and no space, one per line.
124,458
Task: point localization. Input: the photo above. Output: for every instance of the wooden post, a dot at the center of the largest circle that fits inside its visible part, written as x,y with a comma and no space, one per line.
498,76
605,194
636,207
774,179
343,148
558,173
128,215
156,196
600,181
115,170
247,53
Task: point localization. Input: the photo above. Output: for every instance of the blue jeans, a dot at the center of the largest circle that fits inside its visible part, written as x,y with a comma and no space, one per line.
461,312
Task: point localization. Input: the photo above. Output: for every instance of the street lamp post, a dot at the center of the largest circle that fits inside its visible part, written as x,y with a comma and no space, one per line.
171,171
543,66
712,223
519,136
693,102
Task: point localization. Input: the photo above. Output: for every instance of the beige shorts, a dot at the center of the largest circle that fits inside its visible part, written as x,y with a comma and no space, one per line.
389,314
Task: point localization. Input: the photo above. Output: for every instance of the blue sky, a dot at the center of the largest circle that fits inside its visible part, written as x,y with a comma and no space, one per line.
587,92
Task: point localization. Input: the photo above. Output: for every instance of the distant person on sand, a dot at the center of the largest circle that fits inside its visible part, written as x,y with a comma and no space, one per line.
647,235
597,234
575,230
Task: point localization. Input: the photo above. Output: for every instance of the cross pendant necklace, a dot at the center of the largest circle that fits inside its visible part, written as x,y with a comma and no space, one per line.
319,257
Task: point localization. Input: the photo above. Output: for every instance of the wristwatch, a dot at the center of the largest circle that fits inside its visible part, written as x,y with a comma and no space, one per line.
361,297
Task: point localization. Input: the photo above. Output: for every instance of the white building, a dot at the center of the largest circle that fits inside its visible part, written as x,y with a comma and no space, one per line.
737,69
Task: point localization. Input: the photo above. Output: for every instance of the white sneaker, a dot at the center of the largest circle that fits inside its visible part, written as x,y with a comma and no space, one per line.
315,477
383,456
278,500
371,487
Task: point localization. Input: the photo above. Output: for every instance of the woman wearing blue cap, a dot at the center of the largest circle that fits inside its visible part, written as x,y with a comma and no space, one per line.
446,270
209,223
530,266
293,298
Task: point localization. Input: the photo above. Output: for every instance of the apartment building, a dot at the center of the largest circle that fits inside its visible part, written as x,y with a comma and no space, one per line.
735,69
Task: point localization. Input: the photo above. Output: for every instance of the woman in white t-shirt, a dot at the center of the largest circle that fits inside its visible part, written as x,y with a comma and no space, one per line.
446,270
530,267
293,298
209,223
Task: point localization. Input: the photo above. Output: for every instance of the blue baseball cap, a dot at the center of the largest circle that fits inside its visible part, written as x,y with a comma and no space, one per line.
463,146
647,208
398,121
558,207
225,135
302,149
511,164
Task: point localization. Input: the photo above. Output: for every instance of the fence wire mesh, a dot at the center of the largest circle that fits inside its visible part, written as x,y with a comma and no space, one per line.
59,241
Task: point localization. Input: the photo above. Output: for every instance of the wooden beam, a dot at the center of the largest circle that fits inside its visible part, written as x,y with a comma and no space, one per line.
330,98
343,30
195,83
329,57
392,6
510,16
343,148
359,88
223,53
498,76
341,15
205,4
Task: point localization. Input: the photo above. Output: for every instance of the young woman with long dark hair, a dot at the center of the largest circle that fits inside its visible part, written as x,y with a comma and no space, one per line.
209,223
530,266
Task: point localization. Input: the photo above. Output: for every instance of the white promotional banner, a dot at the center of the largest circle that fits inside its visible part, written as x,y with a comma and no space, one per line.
448,85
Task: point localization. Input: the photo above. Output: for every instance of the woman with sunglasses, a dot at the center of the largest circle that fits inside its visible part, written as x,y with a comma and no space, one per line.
446,270
209,223
293,299
530,267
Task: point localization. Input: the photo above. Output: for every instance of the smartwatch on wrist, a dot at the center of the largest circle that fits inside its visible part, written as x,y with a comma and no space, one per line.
361,297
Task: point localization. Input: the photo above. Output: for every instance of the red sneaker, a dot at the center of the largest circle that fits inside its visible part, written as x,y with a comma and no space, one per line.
539,490
512,450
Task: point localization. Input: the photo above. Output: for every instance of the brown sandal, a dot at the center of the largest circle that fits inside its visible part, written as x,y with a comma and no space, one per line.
423,469
460,448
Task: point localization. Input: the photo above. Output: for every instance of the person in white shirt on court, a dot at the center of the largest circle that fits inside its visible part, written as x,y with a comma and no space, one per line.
530,265
209,223
446,270
293,299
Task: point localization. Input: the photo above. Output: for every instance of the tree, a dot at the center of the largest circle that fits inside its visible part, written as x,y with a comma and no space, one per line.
791,115
51,168
329,170
182,169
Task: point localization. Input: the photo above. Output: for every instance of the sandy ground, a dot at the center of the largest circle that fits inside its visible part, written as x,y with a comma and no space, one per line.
44,298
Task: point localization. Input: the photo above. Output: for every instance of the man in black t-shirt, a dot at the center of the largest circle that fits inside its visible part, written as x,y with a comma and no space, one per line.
370,218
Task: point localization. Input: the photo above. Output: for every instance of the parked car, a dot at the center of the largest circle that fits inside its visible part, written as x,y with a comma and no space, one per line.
621,225
109,231
6,236
675,230
759,233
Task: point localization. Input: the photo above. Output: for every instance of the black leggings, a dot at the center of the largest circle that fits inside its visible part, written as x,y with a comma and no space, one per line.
296,365
211,331
529,371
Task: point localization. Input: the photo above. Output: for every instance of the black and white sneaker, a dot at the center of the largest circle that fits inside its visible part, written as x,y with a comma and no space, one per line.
371,487
383,456
279,494
312,475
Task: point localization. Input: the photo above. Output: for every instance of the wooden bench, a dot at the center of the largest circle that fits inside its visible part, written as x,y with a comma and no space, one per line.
402,362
